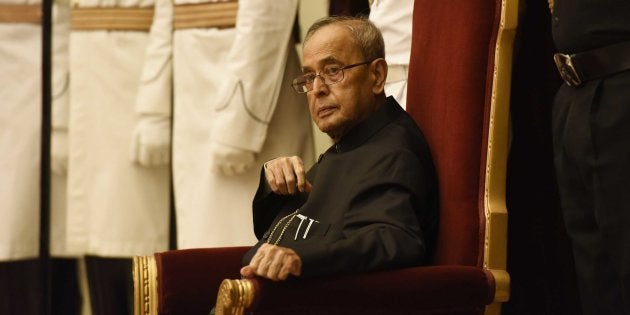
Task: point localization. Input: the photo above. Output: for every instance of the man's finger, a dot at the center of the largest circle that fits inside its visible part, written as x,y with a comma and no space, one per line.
287,267
247,272
277,166
271,179
296,267
289,178
254,264
298,169
276,265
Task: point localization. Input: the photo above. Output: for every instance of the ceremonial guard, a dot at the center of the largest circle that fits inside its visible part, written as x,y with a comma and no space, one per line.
234,108
118,193
394,18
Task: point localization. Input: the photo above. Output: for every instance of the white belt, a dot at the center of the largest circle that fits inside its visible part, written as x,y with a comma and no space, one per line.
396,73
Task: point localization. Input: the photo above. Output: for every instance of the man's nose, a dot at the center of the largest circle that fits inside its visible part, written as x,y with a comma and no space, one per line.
319,86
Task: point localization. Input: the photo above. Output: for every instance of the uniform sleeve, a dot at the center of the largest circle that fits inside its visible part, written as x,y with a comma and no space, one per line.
256,62
381,229
155,89
150,141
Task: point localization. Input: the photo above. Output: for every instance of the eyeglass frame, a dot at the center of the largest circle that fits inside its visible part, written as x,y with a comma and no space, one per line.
319,74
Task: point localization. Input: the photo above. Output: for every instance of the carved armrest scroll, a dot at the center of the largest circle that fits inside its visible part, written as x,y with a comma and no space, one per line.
234,297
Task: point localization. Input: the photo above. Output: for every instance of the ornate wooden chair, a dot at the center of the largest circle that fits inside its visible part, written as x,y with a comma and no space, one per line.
459,87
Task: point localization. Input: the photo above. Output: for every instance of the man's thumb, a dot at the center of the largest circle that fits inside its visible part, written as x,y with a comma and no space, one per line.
247,272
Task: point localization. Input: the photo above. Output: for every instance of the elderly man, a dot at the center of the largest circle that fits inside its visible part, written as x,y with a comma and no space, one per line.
370,202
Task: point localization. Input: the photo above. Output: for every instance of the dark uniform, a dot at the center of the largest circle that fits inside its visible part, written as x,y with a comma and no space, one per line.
373,204
591,131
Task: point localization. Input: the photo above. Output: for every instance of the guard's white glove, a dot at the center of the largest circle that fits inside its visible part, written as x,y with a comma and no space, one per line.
151,141
59,152
230,160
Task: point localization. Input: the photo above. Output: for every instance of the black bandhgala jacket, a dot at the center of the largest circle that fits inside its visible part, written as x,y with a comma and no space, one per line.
373,205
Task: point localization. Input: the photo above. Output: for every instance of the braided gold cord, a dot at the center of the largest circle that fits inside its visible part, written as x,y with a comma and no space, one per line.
292,215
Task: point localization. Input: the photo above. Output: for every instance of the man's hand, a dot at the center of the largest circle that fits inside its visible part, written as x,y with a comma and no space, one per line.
273,262
286,176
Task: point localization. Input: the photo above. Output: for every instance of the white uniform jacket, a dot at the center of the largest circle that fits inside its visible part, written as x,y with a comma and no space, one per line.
20,134
395,18
232,93
116,208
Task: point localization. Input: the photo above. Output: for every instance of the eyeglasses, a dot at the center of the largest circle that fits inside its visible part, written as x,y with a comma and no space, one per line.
329,75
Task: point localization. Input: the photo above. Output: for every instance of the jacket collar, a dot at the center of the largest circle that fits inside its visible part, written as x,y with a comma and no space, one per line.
360,133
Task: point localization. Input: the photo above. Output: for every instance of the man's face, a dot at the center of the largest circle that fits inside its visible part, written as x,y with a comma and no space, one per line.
337,108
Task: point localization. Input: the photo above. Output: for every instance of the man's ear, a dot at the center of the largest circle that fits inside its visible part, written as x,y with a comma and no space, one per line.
379,72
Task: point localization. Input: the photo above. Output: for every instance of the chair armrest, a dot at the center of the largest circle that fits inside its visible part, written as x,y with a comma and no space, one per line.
187,280
418,290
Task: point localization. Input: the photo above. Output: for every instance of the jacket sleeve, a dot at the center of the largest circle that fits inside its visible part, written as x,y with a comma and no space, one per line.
266,207
155,89
255,63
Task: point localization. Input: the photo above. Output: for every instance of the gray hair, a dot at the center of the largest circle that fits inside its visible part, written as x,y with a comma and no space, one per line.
364,33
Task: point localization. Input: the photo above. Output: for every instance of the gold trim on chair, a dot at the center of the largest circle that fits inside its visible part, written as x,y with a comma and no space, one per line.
495,248
112,18
145,284
205,15
17,13
234,297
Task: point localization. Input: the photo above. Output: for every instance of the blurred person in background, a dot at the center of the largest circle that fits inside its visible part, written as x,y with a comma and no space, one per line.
394,18
20,148
230,64
118,193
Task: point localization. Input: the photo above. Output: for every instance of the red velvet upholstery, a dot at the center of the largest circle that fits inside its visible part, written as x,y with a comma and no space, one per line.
188,280
449,96
405,291
447,93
